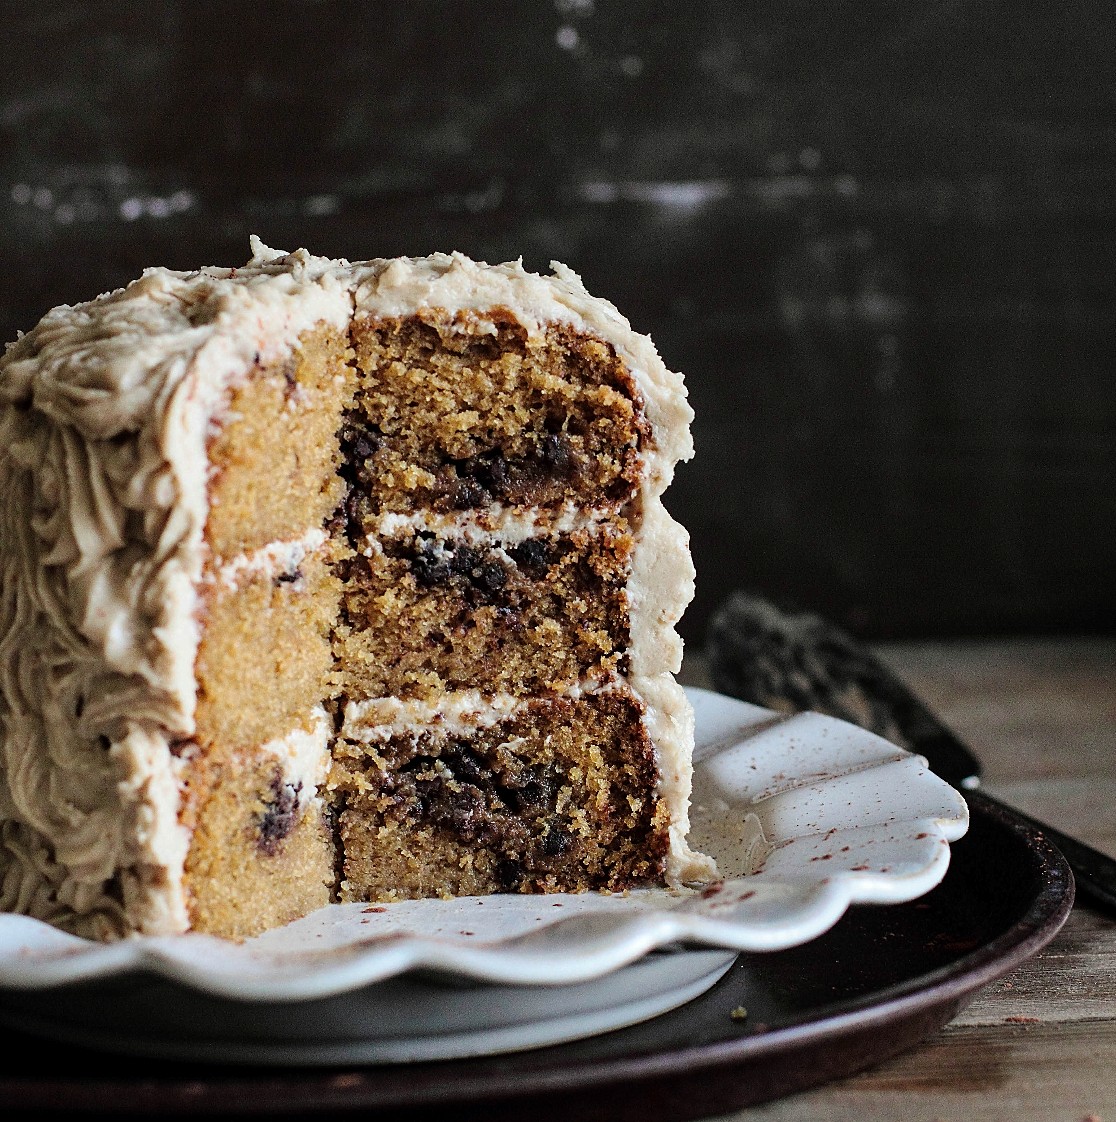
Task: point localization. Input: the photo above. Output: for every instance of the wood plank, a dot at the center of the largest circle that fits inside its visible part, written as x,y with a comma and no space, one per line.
1034,709
1080,807
1071,980
1012,1073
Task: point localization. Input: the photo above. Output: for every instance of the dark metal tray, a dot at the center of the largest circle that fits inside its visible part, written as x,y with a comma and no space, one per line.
880,981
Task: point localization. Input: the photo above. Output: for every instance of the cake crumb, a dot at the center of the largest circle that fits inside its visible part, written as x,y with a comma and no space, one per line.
739,1013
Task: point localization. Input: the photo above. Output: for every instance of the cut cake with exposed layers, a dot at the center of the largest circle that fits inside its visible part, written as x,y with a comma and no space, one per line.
337,582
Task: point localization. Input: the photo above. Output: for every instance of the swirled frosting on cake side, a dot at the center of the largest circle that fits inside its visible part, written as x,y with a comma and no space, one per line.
105,409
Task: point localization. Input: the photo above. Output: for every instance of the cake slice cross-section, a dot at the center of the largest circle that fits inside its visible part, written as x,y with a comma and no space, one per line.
337,582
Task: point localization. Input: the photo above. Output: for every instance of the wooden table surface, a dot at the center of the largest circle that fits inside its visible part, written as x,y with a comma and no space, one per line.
1041,1043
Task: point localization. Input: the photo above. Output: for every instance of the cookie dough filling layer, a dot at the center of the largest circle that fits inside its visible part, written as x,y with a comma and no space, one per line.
555,795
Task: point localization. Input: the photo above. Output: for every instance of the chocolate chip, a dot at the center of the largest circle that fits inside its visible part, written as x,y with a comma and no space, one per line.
509,873
280,815
492,577
554,451
532,790
365,447
468,494
358,442
532,555
532,794
458,807
494,474
466,559
434,564
463,761
430,568
465,807
292,577
488,469
557,842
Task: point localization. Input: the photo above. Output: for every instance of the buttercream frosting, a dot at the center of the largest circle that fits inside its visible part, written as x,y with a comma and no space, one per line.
105,409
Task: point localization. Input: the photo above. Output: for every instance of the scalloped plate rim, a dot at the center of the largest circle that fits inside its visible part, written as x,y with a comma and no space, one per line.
821,904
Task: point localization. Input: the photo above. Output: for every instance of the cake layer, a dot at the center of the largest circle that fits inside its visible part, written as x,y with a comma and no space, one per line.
274,457
261,851
534,796
421,614
259,855
107,410
455,412
264,657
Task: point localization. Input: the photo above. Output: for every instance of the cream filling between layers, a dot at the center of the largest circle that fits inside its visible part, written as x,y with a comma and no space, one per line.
274,559
498,524
455,713
304,755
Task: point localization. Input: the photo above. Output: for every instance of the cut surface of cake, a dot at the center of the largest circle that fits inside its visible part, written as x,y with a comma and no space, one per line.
330,582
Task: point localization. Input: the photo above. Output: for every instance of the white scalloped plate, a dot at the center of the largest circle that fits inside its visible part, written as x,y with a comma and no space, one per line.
805,816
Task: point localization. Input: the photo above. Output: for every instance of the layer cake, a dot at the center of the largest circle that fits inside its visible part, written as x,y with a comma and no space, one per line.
337,582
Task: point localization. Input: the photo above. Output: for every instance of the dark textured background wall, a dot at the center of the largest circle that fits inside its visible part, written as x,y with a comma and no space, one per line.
878,238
